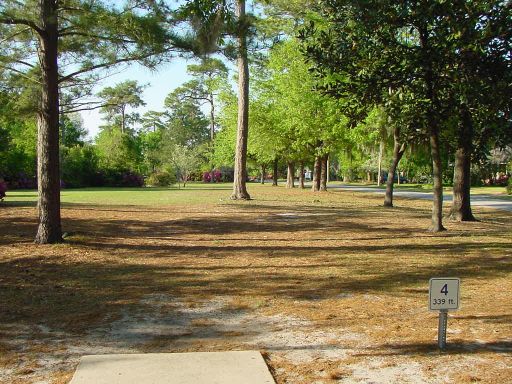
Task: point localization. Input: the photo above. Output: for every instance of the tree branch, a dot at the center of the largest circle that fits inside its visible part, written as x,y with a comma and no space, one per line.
4,19
21,74
104,65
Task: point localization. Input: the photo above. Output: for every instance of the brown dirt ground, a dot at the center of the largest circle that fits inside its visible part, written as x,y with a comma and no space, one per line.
332,288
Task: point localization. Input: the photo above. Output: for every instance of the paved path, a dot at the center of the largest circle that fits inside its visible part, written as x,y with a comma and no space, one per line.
486,201
247,367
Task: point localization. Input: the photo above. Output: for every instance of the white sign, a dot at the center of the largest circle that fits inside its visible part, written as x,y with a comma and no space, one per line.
444,293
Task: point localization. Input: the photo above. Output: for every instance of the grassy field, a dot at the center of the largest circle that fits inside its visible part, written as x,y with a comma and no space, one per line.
331,287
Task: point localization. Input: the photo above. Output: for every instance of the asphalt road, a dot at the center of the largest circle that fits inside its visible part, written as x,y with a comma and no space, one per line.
486,201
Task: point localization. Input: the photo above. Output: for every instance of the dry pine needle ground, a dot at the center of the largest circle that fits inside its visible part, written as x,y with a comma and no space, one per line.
332,287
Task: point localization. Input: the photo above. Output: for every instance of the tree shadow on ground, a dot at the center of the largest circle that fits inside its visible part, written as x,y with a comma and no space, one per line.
452,348
111,263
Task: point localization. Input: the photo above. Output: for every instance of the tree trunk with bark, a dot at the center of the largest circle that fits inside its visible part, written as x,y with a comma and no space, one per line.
301,175
461,206
316,174
323,172
290,182
437,204
275,173
48,167
212,117
379,165
348,175
240,175
123,118
263,171
398,151
433,129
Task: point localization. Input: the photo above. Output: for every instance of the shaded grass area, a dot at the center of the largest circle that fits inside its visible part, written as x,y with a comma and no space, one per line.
338,259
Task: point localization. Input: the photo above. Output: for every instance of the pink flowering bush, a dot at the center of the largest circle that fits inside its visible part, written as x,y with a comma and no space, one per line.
217,176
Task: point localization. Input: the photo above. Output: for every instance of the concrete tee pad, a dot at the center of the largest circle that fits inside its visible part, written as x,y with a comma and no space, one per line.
247,367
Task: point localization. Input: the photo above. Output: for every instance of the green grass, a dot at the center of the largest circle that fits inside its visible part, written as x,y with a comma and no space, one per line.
193,194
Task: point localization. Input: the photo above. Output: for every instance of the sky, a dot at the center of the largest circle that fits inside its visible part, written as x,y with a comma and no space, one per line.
161,82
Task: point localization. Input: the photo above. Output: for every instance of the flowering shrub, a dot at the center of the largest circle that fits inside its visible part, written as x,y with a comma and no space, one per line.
217,176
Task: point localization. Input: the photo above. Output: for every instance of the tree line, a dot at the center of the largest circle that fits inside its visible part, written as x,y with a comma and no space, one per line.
420,89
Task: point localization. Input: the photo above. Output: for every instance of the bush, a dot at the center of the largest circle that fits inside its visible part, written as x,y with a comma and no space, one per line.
161,179
80,166
509,186
22,181
217,176
121,178
3,189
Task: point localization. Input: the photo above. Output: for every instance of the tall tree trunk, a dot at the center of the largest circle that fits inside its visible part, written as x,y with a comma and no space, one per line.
290,183
349,171
379,165
212,118
48,167
212,134
316,174
437,204
301,175
433,129
123,119
275,172
263,171
239,183
328,169
461,206
323,172
398,151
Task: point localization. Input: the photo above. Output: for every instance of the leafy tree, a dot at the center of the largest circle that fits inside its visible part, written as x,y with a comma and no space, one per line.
17,138
186,124
210,78
152,121
185,161
72,130
80,166
310,124
479,71
117,99
118,151
66,40
240,175
368,48
151,150
224,146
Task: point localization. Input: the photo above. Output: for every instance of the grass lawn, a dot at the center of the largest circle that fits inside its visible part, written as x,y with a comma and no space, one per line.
331,287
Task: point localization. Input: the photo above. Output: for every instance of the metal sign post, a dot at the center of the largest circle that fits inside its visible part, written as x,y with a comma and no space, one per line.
443,325
444,295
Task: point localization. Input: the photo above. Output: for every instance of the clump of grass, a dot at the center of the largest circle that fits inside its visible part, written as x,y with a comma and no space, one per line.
338,374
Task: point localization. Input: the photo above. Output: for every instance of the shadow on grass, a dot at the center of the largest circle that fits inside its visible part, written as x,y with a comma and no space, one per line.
452,348
111,264
11,203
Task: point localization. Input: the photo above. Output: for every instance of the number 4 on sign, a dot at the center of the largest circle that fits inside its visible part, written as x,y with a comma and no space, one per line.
445,289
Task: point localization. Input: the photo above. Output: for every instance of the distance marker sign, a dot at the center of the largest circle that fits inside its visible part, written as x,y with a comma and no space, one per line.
444,293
